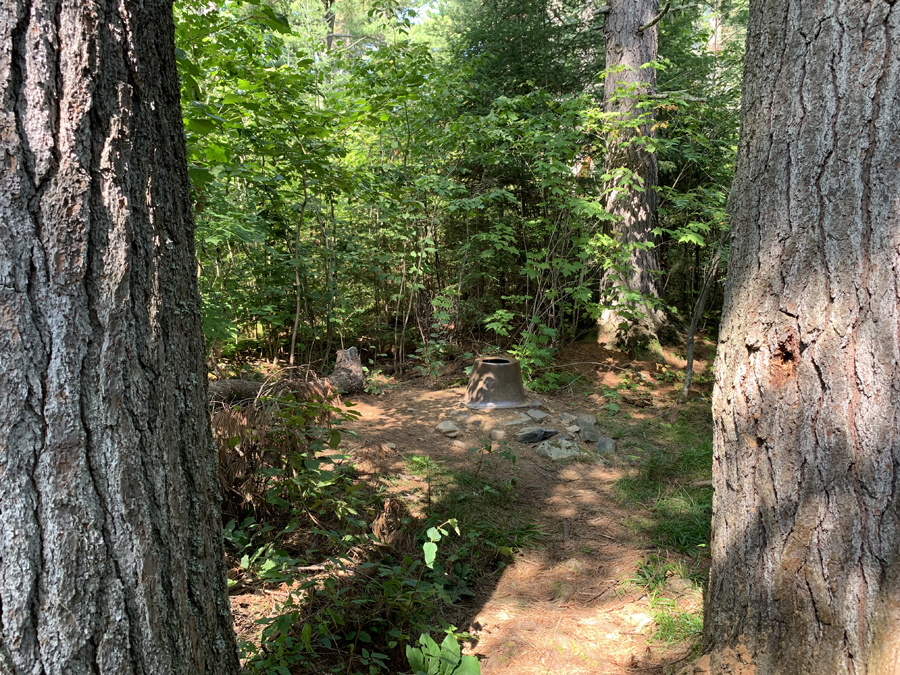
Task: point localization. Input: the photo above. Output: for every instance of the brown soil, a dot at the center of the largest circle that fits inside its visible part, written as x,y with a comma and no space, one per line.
561,607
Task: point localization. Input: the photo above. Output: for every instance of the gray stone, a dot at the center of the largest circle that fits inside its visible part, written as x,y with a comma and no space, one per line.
390,446
680,585
536,415
606,446
534,434
589,433
567,418
518,419
573,565
558,449
448,429
586,418
573,428
498,435
643,622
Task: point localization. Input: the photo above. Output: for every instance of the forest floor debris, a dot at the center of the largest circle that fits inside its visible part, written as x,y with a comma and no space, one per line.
601,592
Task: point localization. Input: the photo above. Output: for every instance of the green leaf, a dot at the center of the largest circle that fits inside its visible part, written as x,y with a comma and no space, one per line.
450,648
200,126
430,550
306,636
416,658
199,178
468,665
274,20
692,238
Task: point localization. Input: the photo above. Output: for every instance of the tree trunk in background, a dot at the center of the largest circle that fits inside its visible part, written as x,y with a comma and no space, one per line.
111,556
628,48
806,525
329,17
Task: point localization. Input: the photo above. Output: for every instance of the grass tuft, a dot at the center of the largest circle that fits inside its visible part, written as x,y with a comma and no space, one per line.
678,627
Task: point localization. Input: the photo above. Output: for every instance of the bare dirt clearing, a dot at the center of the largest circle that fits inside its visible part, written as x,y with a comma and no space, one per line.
587,594
561,607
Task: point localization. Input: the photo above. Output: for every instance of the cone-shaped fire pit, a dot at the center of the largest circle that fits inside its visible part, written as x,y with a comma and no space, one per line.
496,382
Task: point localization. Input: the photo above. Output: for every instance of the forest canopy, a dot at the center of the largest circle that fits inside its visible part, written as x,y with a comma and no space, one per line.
419,181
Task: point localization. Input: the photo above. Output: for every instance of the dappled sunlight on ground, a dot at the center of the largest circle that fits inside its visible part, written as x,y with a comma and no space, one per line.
559,608
568,603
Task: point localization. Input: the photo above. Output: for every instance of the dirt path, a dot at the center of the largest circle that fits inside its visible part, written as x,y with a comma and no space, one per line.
560,607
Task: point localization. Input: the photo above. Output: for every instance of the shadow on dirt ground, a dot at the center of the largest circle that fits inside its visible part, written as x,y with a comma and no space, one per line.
583,598
575,571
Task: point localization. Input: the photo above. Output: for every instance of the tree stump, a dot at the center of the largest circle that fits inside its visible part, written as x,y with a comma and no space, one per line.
348,373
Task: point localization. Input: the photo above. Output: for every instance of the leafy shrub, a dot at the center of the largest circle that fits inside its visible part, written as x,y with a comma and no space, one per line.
356,594
446,659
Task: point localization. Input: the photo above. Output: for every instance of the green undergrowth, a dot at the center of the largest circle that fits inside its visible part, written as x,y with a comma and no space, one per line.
669,482
481,499
364,577
674,627
673,587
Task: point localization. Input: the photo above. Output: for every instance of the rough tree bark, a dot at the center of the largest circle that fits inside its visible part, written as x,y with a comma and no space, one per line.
111,556
631,42
806,524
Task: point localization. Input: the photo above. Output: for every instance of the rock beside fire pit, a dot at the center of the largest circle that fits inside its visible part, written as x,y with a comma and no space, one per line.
558,449
534,434
448,428
588,432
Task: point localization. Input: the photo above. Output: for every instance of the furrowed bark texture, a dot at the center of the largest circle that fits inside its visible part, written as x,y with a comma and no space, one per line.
629,48
806,535
111,557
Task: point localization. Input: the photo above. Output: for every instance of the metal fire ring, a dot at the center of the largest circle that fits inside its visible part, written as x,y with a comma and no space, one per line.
496,382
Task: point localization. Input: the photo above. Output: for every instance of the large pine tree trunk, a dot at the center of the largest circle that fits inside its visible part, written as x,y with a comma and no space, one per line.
111,557
806,526
627,49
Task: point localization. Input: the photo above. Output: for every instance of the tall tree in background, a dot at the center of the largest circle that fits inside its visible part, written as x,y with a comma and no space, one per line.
111,557
631,43
806,526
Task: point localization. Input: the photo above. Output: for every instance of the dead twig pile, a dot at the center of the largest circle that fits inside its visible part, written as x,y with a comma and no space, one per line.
257,426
